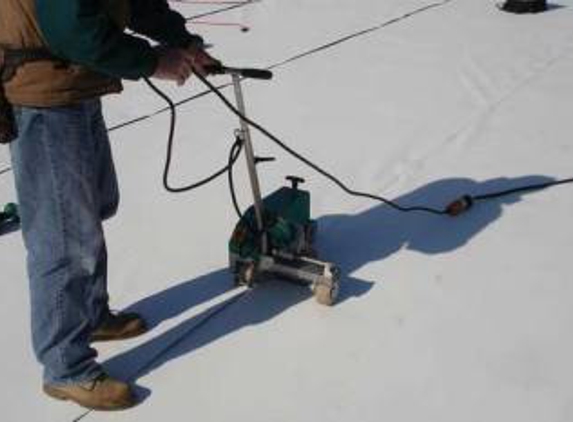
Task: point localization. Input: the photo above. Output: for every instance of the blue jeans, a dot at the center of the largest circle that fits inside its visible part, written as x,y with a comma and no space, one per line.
66,185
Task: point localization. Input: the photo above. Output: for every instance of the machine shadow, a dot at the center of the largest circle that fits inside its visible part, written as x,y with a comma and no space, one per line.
7,228
351,241
256,306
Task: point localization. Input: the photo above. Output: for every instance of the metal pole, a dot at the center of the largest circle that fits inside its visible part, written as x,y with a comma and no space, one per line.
251,166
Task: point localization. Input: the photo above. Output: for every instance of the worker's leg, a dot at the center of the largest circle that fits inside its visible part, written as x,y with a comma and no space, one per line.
107,179
107,191
56,176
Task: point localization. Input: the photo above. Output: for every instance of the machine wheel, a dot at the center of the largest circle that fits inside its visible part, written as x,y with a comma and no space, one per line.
326,293
10,213
246,275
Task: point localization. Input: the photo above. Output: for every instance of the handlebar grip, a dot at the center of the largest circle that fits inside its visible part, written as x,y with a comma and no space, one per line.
256,73
215,69
244,72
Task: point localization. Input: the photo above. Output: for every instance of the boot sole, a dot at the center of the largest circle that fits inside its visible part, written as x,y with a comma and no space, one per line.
59,395
104,338
55,394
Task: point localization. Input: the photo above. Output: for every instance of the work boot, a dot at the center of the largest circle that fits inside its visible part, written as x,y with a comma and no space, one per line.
103,393
119,326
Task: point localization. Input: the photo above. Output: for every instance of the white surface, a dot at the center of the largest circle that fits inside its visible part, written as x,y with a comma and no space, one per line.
440,320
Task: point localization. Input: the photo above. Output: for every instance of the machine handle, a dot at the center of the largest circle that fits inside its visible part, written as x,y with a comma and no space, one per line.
244,72
9,214
256,74
295,180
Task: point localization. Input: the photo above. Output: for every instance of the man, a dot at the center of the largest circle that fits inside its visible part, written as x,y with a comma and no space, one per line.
64,173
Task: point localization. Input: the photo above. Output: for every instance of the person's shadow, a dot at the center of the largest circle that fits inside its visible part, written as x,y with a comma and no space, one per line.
351,241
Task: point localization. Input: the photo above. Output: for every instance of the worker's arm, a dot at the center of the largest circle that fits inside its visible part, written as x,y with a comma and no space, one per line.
154,19
81,31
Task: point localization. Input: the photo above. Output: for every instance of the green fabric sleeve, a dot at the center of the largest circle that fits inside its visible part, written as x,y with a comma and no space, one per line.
81,31
154,19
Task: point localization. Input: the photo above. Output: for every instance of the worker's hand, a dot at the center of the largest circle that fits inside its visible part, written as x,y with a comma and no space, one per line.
177,64
202,61
174,64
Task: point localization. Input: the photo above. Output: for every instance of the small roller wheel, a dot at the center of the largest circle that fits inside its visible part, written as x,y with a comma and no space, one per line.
10,213
326,293
246,275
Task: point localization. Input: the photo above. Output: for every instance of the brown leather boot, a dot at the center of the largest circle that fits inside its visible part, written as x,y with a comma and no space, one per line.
103,393
119,326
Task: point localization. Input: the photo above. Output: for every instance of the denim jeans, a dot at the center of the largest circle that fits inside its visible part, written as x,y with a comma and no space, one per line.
66,185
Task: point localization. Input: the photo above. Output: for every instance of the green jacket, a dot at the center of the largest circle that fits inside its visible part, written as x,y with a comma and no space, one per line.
89,35
88,32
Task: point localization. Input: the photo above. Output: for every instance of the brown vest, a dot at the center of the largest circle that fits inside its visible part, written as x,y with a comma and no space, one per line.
47,83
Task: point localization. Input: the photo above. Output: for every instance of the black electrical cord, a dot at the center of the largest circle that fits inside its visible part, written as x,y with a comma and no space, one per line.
527,188
455,208
234,153
309,163
173,118
464,203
